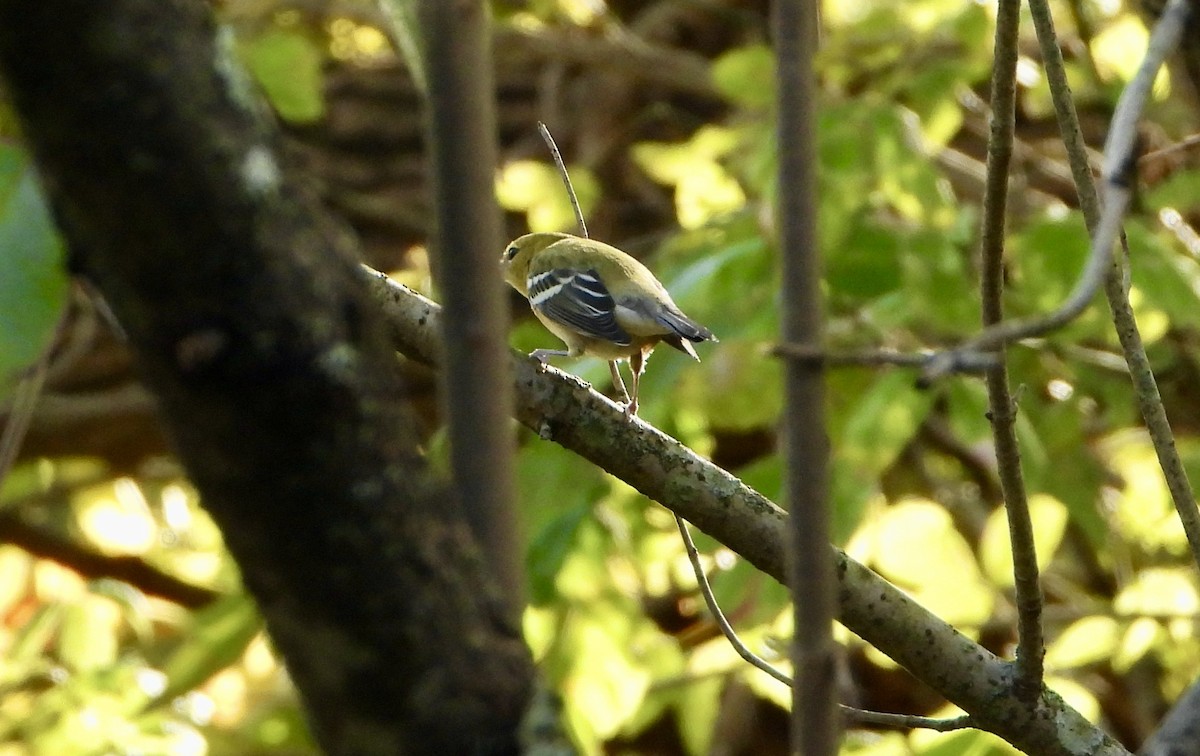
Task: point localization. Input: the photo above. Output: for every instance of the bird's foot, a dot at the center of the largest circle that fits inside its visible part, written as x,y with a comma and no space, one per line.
543,355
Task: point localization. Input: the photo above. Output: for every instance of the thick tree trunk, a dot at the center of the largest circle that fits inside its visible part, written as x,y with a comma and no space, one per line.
241,300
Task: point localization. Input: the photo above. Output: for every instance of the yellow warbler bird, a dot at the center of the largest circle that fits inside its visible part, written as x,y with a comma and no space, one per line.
600,301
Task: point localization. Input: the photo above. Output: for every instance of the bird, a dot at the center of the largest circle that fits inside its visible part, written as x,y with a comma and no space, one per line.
600,302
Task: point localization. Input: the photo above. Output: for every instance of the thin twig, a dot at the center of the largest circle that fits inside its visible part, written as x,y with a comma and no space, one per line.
29,388
805,353
1119,162
905,721
566,177
1030,643
714,608
1118,168
1162,152
24,401
849,713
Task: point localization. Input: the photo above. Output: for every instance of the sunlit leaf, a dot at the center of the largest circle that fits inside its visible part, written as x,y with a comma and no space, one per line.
959,742
88,636
746,75
914,544
704,189
1159,592
1086,641
1144,513
607,685
1049,518
287,64
697,710
537,189
1140,638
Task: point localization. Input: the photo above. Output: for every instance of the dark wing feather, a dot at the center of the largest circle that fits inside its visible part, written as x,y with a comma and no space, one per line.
684,326
578,299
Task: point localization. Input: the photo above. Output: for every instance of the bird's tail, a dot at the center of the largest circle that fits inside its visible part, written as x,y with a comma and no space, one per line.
685,331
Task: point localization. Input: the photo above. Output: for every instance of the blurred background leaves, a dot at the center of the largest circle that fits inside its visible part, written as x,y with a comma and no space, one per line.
122,624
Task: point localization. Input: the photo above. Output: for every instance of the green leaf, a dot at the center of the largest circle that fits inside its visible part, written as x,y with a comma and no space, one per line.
746,76
32,639
88,637
1086,641
558,491
33,287
288,67
697,709
218,636
866,264
1180,191
1049,518
915,545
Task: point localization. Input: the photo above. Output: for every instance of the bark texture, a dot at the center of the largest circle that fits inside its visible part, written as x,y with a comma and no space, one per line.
251,327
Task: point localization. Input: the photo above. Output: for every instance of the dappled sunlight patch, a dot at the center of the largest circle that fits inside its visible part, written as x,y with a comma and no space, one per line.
1141,510
1086,641
1049,517
914,544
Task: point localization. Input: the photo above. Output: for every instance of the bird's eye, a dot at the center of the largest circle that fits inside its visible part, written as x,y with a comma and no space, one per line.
511,252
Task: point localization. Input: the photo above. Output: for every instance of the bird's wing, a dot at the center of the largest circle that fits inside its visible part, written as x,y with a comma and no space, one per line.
577,299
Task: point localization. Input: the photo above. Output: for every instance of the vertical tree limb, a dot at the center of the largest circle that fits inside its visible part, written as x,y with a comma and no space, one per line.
1001,405
1104,224
815,724
477,388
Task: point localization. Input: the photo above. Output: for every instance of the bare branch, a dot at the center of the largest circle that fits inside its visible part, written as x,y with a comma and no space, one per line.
905,721
561,408
1118,166
714,608
815,724
850,714
1002,406
815,355
46,544
1179,732
460,126
565,176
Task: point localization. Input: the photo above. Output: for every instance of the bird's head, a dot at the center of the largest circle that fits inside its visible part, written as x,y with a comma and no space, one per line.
520,253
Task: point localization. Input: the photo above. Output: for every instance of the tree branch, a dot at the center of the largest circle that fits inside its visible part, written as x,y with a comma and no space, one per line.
1118,168
1104,224
561,408
45,544
460,127
1179,732
1001,404
816,727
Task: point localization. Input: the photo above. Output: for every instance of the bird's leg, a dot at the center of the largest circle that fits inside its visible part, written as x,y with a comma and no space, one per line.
637,363
618,384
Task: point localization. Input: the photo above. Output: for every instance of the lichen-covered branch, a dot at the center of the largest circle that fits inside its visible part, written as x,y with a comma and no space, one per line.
565,410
